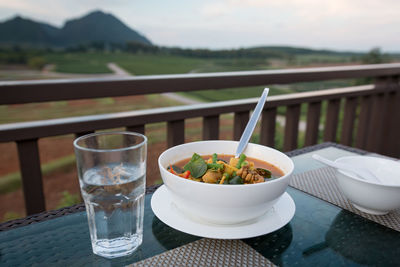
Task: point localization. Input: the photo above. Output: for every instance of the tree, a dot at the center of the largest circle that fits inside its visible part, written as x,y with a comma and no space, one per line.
375,56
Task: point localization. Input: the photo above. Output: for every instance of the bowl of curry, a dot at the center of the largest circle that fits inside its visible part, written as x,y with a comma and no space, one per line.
207,182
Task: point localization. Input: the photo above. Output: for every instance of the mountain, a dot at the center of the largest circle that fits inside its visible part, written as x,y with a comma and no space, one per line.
94,27
24,31
99,26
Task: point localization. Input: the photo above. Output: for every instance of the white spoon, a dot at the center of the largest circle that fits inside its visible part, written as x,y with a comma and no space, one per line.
248,131
362,173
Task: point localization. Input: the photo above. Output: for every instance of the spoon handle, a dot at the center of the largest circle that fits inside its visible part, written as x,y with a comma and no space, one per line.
248,131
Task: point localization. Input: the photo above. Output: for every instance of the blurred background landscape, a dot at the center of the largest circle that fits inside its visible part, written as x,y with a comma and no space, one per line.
99,44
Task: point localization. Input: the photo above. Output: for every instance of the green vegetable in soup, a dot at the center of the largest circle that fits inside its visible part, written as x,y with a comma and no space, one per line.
234,171
263,172
236,180
214,158
226,178
241,160
197,166
215,166
176,169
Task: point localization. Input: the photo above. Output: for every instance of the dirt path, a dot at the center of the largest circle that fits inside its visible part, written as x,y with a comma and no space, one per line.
117,70
181,98
48,72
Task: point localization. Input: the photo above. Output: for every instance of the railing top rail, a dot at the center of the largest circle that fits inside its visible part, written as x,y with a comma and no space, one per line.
53,127
18,92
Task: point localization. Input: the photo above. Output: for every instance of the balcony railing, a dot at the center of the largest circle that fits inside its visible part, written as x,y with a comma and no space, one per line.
371,117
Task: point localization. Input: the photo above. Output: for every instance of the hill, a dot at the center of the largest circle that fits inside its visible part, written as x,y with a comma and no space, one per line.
93,27
27,32
99,26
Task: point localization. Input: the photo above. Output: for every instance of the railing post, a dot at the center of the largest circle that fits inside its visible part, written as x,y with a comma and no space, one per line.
77,135
32,183
346,137
378,117
240,122
291,127
312,126
331,121
268,125
175,133
390,144
363,121
376,124
211,127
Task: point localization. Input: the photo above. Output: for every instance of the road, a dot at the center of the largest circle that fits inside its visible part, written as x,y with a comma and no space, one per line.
117,70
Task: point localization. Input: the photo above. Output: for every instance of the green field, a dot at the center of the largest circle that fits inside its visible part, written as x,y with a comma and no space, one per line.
153,64
150,64
255,91
146,64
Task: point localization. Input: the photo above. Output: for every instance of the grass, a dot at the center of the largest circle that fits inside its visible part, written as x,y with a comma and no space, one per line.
68,199
234,93
63,109
11,215
148,64
321,58
137,64
158,64
13,181
88,63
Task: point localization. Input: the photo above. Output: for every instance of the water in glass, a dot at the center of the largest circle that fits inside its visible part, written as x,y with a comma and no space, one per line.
114,196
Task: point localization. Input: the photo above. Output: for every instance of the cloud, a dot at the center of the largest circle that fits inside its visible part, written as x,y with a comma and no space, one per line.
215,9
312,22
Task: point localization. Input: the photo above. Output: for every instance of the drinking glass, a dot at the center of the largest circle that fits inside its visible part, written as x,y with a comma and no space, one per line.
112,177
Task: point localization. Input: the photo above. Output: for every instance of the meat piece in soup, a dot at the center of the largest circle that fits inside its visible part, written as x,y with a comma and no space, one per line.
225,169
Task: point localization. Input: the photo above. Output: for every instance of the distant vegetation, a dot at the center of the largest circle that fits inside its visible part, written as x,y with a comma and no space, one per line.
99,53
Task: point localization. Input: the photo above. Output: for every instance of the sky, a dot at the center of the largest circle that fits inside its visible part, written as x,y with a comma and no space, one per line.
356,25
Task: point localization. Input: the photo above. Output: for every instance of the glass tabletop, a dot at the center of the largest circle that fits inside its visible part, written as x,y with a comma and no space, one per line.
319,234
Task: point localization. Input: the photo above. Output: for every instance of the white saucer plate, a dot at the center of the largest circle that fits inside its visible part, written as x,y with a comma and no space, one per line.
165,210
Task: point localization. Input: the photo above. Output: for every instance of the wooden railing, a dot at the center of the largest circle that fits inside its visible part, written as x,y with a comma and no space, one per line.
370,121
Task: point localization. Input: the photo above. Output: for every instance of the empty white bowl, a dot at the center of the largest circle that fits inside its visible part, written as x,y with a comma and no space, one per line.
368,196
219,203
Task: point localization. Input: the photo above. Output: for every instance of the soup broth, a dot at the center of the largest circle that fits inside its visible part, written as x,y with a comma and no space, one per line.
253,165
275,171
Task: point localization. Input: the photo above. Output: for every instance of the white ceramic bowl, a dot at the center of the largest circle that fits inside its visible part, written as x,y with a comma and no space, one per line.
368,196
224,204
